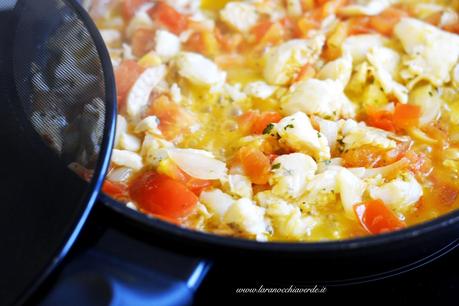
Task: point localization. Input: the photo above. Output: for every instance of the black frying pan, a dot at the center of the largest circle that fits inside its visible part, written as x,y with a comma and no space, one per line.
131,258
170,262
365,256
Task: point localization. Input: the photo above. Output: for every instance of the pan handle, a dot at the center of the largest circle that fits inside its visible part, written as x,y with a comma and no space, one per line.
119,270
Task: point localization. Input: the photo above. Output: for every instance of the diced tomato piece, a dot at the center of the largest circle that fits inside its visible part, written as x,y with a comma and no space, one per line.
115,190
197,185
359,25
447,194
173,119
365,156
260,188
377,218
444,192
195,42
385,22
406,115
203,42
260,29
246,120
125,75
291,27
263,120
403,117
268,32
256,165
320,2
160,195
130,7
372,157
143,41
382,120
453,28
255,122
168,17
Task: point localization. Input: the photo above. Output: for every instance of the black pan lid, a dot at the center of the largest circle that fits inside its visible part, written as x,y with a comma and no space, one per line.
57,118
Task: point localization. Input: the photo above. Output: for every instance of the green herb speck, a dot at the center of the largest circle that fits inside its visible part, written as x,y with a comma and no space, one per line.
268,129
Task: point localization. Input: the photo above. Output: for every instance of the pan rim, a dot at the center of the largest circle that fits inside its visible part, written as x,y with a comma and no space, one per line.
162,227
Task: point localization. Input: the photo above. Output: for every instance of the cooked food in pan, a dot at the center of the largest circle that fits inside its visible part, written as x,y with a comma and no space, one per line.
276,120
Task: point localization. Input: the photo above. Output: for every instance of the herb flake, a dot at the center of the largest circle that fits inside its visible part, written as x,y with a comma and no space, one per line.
268,129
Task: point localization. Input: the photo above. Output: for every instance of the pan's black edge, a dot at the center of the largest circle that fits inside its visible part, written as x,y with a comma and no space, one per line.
443,229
